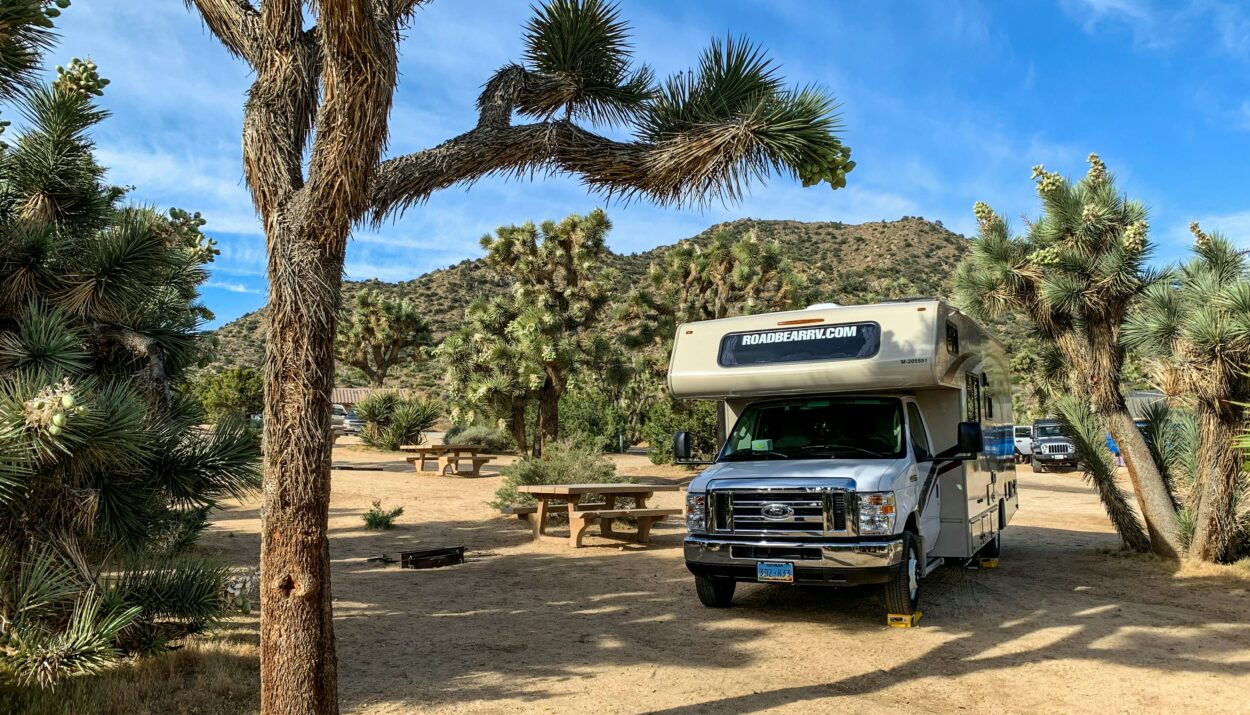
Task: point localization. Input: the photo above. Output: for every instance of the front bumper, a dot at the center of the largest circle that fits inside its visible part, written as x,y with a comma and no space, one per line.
842,563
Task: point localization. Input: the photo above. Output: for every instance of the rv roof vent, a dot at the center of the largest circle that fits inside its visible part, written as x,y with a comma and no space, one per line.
823,306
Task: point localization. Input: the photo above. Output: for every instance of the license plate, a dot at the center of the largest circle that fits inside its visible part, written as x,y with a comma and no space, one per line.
772,572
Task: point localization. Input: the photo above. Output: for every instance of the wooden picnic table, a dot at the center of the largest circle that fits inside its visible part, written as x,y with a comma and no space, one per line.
447,456
582,514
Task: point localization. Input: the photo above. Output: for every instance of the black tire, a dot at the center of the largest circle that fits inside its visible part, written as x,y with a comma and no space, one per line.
1037,466
901,593
715,592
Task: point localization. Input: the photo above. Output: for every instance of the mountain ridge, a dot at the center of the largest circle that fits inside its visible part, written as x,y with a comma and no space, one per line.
843,263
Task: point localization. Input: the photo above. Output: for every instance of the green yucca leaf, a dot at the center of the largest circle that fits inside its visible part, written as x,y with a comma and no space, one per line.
45,341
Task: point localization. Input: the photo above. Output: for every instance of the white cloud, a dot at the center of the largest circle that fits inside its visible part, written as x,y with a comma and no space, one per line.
233,287
1163,25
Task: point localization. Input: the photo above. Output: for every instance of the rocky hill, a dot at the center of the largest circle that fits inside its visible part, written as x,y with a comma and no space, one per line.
844,263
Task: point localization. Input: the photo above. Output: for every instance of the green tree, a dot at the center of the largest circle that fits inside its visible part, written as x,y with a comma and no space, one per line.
560,282
487,373
105,479
314,130
1197,328
725,278
379,332
1075,275
234,393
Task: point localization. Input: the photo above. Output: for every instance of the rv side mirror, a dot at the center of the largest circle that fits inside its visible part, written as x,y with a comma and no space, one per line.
971,441
681,446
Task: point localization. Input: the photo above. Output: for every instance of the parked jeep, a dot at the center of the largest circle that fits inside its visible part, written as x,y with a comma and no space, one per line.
1051,447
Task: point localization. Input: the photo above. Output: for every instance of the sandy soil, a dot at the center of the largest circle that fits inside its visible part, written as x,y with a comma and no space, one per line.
1065,625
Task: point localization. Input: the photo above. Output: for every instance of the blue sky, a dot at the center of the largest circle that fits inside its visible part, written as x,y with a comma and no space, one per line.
945,103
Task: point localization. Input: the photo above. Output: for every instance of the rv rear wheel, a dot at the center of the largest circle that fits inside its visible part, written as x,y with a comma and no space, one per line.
902,592
714,592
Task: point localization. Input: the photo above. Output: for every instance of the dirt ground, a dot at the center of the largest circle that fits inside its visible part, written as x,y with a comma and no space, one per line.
1066,624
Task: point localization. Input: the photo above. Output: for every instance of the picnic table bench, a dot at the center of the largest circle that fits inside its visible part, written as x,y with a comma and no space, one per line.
582,515
448,457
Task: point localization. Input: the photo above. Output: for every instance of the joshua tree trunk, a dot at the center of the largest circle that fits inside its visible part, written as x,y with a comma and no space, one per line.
1214,523
517,427
296,628
1101,381
548,427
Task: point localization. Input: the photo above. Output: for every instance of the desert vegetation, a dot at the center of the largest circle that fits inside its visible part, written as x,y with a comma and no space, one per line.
1080,277
106,482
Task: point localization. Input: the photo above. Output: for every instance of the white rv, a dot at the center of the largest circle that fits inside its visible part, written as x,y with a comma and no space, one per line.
865,445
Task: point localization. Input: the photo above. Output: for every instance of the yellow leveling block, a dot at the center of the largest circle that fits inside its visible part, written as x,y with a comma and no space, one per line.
902,620
988,563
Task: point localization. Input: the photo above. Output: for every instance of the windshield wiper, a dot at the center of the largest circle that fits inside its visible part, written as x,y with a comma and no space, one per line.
743,454
837,447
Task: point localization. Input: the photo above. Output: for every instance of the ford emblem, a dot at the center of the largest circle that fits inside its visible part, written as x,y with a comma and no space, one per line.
777,511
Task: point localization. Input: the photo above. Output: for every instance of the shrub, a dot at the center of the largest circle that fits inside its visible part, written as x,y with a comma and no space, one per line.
567,461
669,416
378,519
588,412
493,439
391,420
233,392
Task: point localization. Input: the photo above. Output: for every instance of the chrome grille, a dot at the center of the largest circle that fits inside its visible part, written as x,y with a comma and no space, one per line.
781,511
1058,448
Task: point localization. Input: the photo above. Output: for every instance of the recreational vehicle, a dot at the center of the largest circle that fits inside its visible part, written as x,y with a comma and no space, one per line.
862,445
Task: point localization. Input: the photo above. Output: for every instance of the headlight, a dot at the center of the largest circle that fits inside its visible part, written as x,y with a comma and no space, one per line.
696,513
876,513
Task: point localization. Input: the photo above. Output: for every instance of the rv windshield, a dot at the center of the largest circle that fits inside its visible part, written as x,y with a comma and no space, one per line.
818,428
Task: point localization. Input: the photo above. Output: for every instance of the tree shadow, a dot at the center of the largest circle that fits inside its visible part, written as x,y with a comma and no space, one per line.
525,622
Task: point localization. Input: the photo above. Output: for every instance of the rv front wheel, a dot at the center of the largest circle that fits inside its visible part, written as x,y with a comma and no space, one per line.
714,592
902,591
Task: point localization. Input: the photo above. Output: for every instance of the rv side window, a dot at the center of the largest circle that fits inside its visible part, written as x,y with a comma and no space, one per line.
919,438
952,338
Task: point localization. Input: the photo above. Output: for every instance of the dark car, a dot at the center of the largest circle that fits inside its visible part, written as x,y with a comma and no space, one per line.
1051,447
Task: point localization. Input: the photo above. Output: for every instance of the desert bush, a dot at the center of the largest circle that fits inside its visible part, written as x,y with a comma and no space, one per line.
378,519
589,412
232,393
669,416
493,439
391,420
567,461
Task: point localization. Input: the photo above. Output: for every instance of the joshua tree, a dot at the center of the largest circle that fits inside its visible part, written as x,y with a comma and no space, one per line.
26,32
1197,327
1075,275
488,372
378,333
314,129
104,478
559,290
725,278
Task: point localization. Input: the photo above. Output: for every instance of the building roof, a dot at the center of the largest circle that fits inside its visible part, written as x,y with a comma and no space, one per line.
352,395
